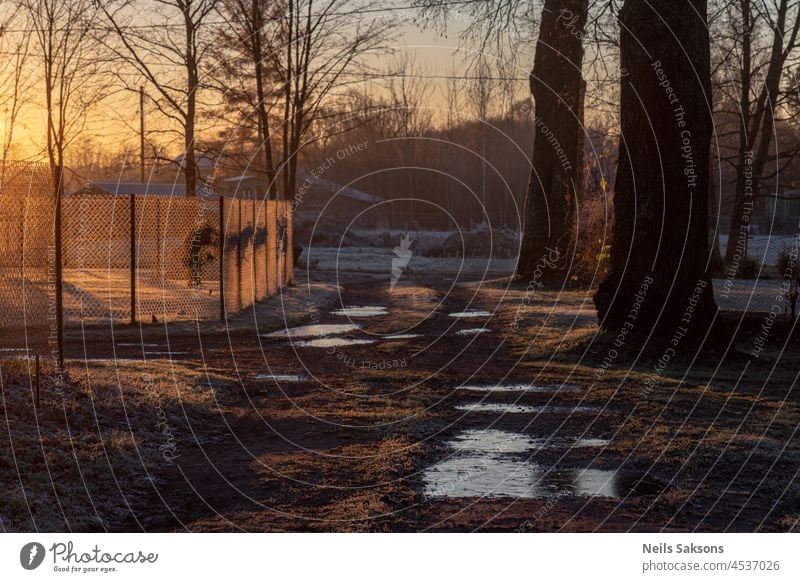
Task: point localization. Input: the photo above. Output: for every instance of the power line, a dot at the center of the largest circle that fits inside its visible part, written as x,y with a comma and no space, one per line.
166,25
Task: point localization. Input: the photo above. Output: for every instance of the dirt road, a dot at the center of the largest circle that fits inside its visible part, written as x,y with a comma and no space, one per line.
454,406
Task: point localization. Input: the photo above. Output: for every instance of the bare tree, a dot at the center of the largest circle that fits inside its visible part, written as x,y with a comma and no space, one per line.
482,93
408,118
311,50
15,75
758,41
245,47
169,52
65,44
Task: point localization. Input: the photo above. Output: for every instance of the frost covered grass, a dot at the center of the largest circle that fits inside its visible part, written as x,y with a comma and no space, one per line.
96,446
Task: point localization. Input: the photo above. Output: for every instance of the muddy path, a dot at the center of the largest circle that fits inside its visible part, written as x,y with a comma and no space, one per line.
425,409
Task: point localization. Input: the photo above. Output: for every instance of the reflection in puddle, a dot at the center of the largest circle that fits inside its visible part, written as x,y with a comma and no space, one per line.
493,441
318,330
476,331
472,313
524,409
505,442
362,311
488,463
332,342
107,360
486,476
402,336
282,377
521,388
589,442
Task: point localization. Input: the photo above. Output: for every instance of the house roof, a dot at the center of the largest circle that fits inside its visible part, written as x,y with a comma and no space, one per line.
338,189
333,187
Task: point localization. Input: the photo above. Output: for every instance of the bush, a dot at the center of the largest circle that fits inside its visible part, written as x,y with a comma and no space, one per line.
748,268
593,233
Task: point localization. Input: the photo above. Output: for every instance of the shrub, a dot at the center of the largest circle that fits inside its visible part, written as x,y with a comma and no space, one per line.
748,268
593,234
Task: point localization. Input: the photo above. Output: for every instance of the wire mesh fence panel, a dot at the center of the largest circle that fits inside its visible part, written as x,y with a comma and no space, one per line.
96,234
247,237
289,250
159,258
177,270
27,276
762,278
272,247
232,256
282,243
260,250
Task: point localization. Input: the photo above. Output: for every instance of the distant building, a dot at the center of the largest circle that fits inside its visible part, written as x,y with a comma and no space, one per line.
246,187
175,189
319,197
777,214
316,197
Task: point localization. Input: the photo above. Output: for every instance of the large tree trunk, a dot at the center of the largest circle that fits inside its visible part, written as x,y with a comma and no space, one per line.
556,182
658,280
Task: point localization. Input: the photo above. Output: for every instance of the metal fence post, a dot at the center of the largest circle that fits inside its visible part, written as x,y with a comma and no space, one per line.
37,381
59,271
222,258
266,244
133,258
253,282
240,302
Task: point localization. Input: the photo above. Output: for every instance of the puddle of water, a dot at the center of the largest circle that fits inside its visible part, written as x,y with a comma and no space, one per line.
538,388
472,313
362,311
487,476
282,377
107,360
477,476
165,353
333,342
402,336
476,331
319,330
524,409
493,441
504,408
590,442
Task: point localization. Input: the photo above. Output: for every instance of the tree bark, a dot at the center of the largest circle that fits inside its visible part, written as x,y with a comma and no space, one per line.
658,281
556,182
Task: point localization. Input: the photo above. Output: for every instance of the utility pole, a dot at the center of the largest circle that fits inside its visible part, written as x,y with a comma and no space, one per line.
141,133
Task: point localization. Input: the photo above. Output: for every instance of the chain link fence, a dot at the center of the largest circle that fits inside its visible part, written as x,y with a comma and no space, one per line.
129,258
27,260
164,258
763,278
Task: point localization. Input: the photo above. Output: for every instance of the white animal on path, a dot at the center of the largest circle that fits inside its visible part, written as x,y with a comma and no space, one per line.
400,262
